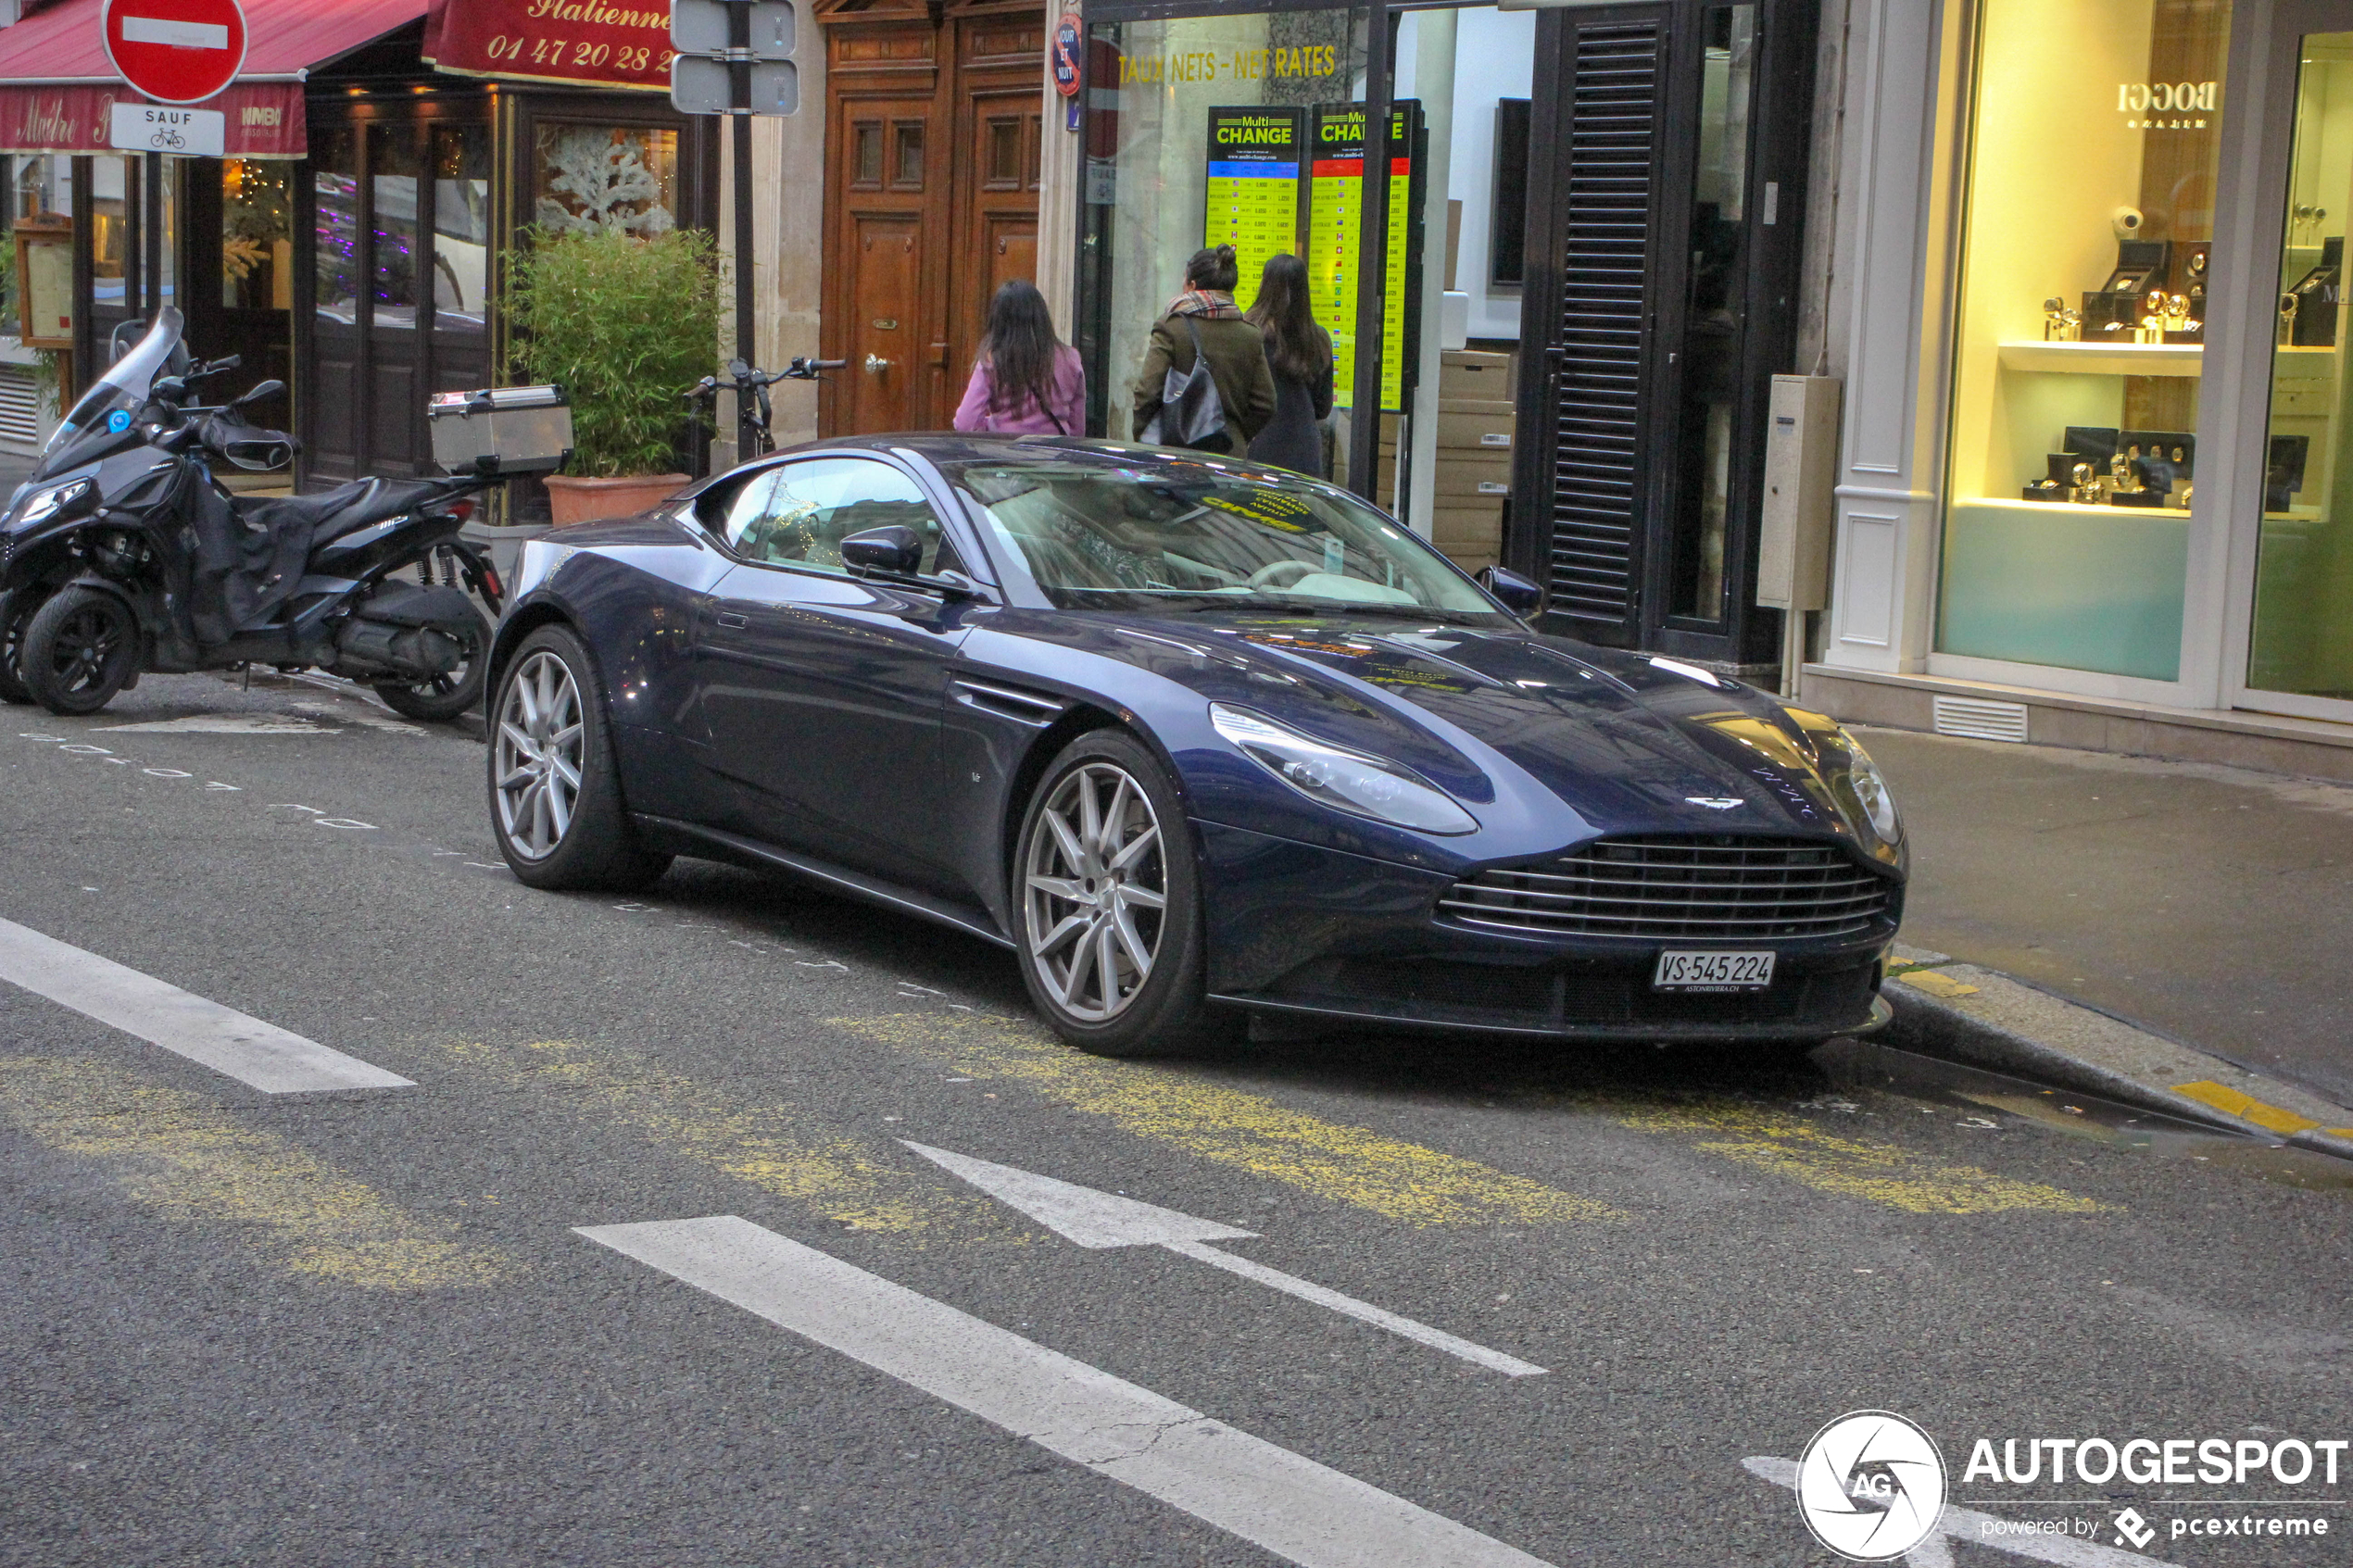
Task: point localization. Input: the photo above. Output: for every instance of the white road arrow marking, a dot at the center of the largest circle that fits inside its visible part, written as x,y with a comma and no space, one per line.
1978,1529
1301,1511
1102,1219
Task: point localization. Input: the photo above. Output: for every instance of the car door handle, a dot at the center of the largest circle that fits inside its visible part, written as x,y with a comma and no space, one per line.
727,619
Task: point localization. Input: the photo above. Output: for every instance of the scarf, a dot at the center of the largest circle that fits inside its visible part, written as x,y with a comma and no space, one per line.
1210,304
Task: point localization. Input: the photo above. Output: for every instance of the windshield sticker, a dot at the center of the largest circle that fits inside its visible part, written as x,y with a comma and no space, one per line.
1271,507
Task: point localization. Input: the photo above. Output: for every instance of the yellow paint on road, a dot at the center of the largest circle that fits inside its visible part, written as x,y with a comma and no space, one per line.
779,1148
1878,1173
186,1159
1934,983
1352,1165
2222,1097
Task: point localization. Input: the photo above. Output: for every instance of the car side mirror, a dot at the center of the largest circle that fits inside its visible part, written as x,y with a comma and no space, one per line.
1520,596
895,549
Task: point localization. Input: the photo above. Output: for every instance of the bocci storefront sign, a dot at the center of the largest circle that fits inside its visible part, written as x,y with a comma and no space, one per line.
2168,97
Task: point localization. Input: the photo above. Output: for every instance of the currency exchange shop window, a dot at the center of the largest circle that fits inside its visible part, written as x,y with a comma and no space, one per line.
2080,344
1199,134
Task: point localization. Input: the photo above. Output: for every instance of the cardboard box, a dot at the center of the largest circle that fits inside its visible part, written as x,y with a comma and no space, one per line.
1467,527
1468,374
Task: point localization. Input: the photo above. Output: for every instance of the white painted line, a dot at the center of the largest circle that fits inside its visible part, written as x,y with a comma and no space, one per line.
177,34
1978,1529
1102,1219
222,724
1308,1290
246,1048
1270,1497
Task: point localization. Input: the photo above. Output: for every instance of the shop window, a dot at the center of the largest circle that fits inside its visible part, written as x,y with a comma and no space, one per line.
907,156
461,227
1710,360
257,234
2094,143
594,177
335,174
867,164
2303,632
393,171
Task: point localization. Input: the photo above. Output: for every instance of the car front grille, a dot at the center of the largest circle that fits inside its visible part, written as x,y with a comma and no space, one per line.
1716,888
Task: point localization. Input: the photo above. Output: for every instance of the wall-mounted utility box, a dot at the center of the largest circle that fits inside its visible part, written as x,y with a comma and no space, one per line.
1801,468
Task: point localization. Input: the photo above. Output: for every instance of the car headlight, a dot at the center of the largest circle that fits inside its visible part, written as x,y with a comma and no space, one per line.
42,505
1346,781
1867,789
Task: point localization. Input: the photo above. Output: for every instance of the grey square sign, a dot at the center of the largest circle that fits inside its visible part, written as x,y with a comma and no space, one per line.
701,86
700,26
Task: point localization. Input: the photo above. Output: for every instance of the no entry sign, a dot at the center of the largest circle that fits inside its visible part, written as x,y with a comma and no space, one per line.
175,51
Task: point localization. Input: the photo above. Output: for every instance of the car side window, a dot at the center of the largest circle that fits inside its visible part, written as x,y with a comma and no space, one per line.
797,513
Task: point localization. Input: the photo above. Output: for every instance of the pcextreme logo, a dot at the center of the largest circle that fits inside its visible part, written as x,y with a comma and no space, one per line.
1871,1485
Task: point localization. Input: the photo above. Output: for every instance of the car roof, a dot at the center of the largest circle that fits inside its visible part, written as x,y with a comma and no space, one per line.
950,451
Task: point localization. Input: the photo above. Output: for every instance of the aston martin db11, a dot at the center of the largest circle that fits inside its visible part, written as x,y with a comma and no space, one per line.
1194,740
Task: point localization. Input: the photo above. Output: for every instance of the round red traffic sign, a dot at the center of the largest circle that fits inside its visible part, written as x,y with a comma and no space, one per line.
175,51
1069,33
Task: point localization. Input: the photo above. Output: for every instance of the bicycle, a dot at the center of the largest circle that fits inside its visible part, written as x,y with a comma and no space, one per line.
750,386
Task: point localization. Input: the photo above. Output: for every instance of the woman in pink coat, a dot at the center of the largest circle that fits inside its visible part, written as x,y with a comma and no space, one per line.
1028,382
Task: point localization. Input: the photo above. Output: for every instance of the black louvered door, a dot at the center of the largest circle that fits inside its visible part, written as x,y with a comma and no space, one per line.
1586,443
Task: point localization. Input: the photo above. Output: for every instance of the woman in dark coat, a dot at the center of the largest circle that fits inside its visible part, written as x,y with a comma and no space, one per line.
1237,355
1299,353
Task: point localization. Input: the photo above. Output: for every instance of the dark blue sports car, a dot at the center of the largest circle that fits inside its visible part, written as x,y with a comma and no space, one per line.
1194,739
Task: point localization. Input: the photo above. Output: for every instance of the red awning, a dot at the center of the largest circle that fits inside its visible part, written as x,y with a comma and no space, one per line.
59,86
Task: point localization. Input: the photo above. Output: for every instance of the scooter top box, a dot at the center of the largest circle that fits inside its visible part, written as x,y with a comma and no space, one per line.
501,429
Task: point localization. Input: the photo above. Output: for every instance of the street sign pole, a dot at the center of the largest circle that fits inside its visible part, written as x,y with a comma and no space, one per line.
151,215
734,57
739,82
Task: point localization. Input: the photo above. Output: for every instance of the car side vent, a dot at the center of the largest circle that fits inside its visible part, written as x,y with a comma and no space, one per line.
1978,720
1037,709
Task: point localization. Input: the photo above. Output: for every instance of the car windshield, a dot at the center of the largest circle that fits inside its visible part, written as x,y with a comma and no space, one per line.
1191,536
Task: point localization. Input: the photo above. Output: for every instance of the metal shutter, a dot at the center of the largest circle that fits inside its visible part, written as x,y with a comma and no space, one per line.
1611,129
19,404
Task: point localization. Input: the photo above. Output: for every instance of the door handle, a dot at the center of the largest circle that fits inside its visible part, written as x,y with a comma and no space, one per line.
875,363
726,618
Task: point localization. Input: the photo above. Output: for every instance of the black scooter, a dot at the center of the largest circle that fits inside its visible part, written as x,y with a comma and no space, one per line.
123,554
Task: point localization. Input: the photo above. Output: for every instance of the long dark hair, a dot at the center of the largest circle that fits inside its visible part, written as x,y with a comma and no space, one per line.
1018,348
1296,346
1213,267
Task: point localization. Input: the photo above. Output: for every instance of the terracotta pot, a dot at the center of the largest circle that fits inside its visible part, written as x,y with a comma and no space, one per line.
585,500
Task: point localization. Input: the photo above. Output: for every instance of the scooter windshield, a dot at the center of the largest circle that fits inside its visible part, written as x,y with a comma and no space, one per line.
123,390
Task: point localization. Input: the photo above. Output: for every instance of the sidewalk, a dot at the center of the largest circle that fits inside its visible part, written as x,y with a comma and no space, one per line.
2210,906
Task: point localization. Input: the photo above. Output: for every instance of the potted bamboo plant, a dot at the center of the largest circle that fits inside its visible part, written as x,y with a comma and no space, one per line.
624,324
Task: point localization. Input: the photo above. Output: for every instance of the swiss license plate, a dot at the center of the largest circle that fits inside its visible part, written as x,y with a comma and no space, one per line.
1687,969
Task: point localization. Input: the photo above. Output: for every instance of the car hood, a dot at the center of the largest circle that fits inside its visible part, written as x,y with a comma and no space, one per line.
1632,743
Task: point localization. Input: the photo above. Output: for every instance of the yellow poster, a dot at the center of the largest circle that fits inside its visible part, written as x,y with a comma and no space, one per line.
1336,217
1252,201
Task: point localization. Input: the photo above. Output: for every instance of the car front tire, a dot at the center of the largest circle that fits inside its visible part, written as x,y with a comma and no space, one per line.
1108,909
555,790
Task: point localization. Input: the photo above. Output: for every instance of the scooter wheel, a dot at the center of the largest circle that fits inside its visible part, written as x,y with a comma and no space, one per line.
79,650
444,697
17,608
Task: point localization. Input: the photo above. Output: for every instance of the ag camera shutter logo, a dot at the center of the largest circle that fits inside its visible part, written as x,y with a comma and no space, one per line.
1870,1486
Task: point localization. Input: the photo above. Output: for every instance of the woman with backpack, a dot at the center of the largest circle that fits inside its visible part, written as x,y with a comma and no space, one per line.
1026,380
1202,329
1299,353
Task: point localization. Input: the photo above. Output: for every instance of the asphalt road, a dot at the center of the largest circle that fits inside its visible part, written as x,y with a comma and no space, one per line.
363,1326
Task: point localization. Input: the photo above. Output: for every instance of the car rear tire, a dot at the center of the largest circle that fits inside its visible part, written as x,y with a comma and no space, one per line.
555,790
17,608
1107,905
79,650
444,697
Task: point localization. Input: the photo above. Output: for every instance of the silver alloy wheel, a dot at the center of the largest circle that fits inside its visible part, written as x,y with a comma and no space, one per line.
1095,892
537,754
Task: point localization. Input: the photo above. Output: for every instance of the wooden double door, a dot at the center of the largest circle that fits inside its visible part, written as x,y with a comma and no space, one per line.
933,140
